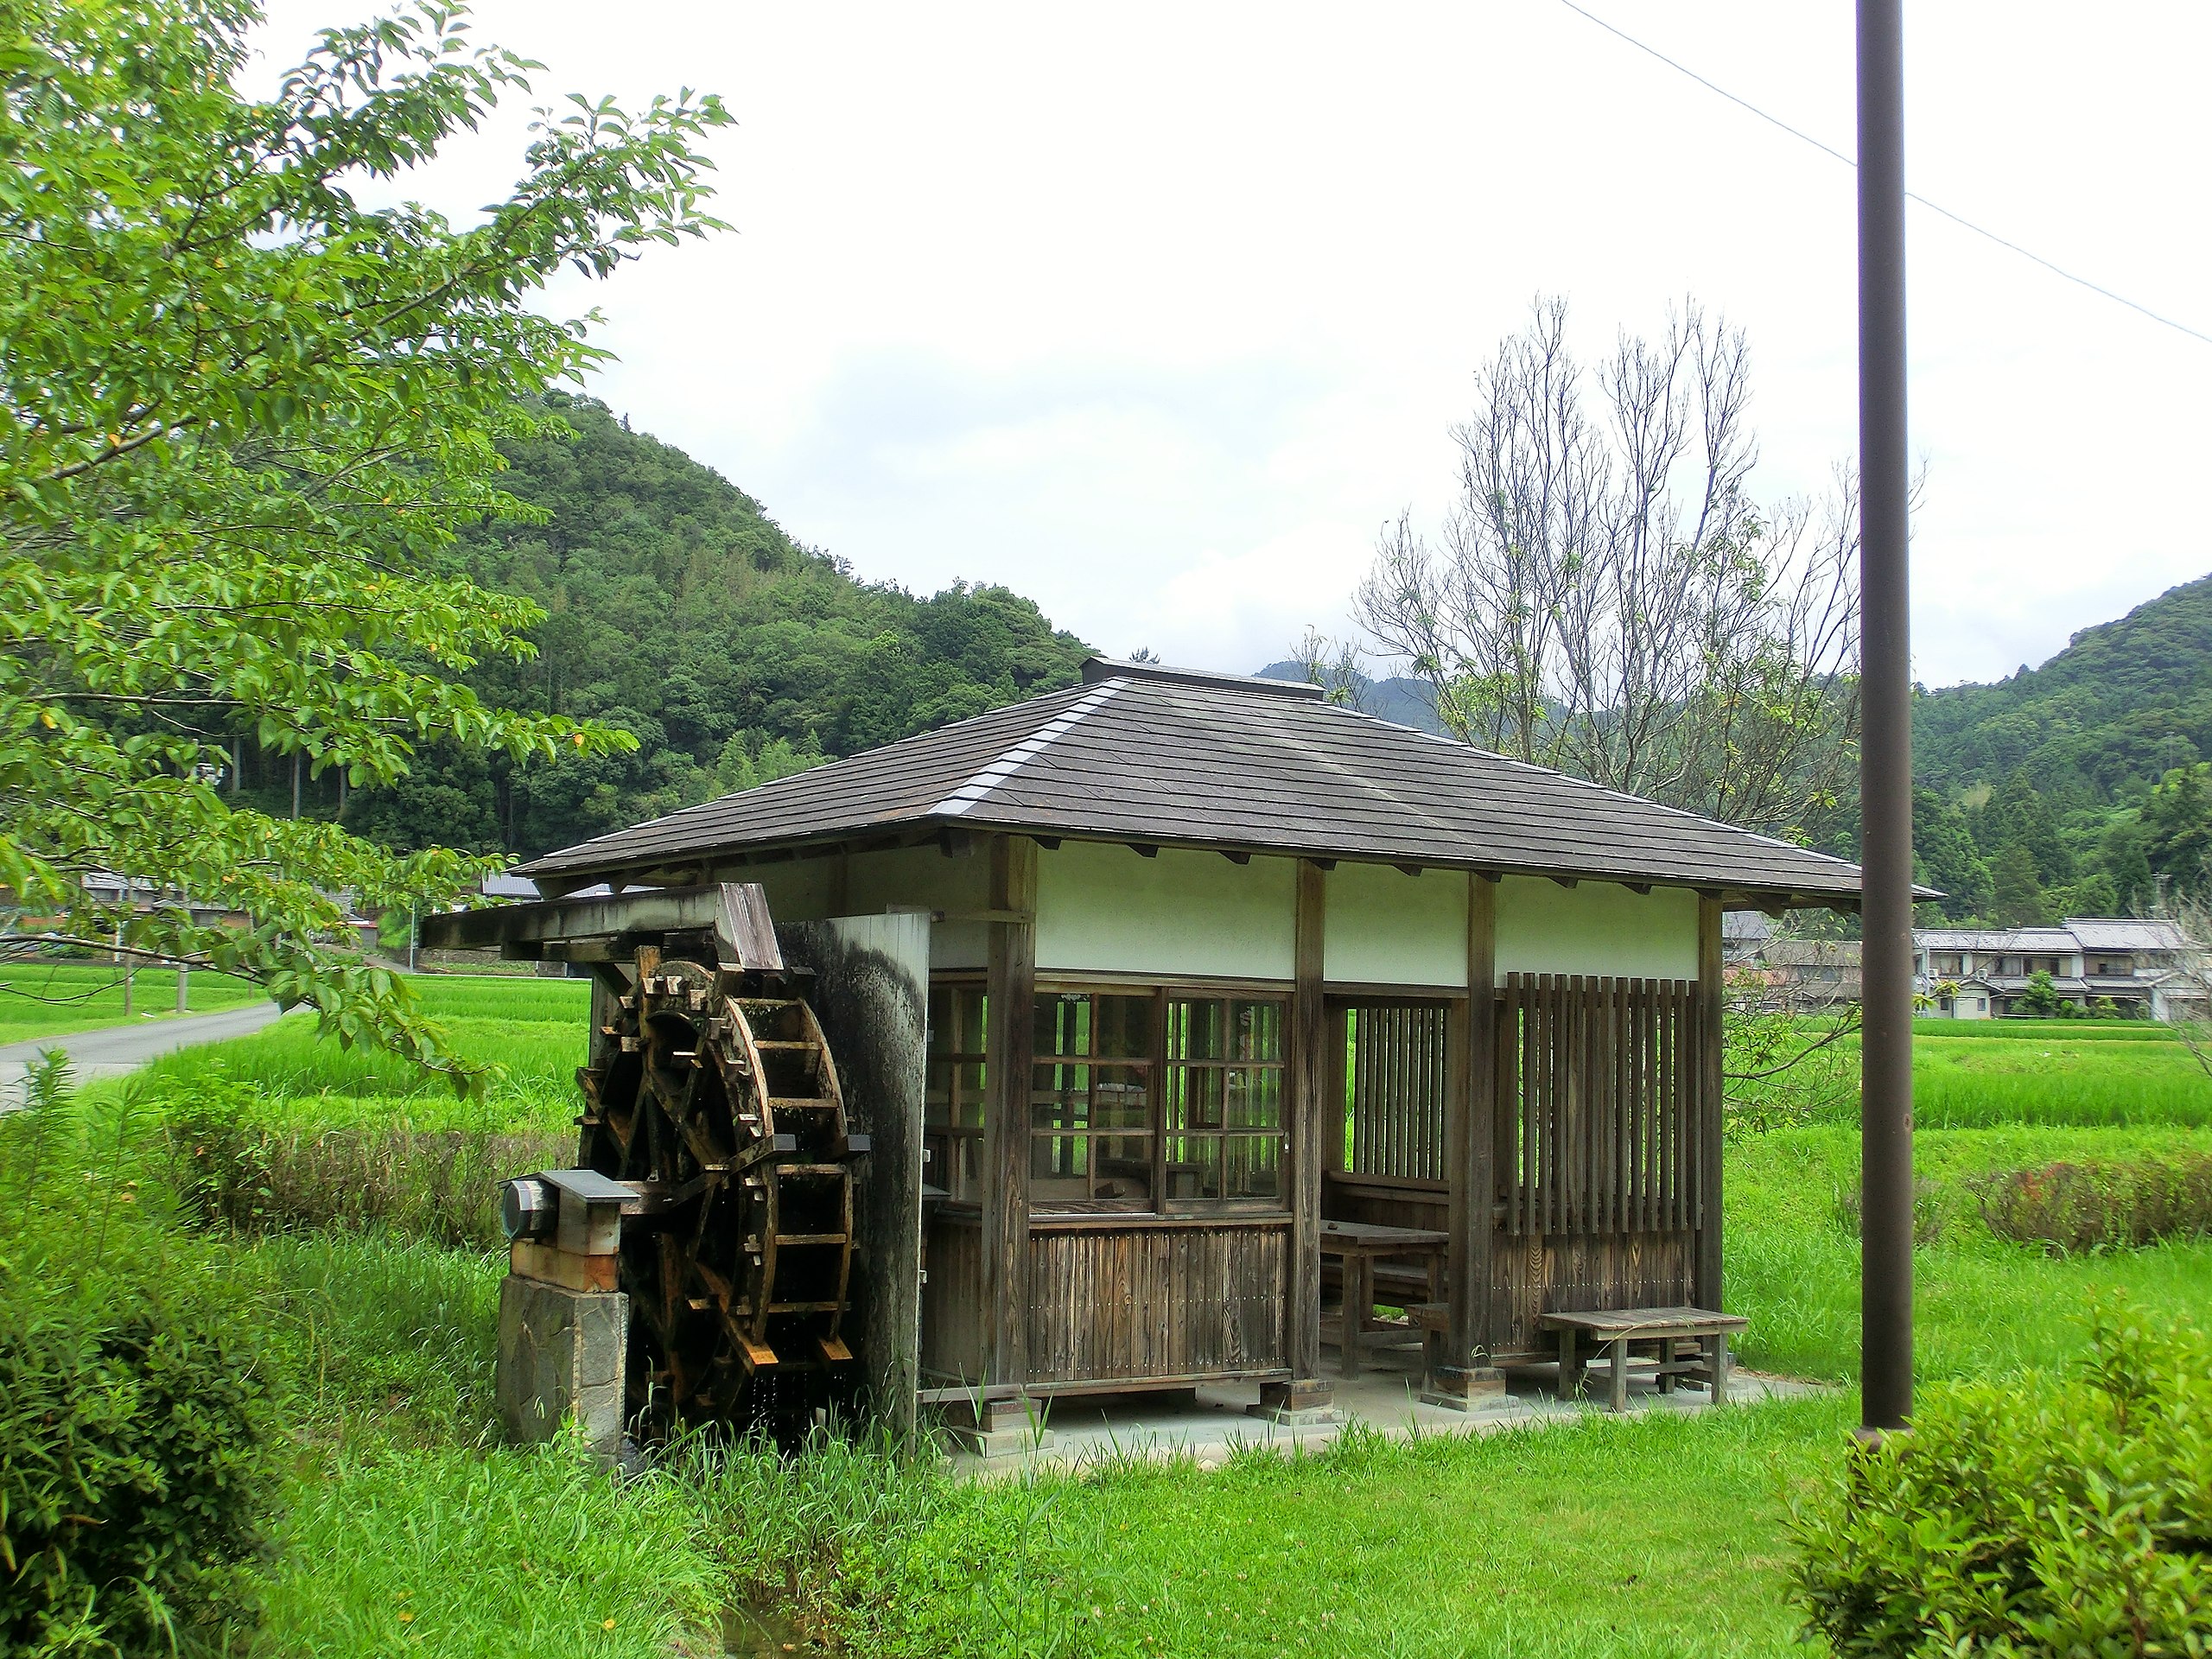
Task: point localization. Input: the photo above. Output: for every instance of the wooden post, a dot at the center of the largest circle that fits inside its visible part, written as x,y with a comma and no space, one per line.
1308,1092
1470,1140
1012,988
1708,1101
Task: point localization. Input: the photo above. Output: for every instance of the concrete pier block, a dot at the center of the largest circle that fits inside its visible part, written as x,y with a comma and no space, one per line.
562,1355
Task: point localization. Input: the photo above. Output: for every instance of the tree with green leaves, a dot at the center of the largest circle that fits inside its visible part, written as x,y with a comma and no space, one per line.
2178,817
247,413
2017,897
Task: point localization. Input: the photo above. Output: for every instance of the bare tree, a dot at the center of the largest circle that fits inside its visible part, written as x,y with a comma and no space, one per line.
1606,598
2186,991
1338,666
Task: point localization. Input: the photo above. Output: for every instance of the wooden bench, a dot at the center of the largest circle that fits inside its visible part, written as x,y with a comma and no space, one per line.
1616,1329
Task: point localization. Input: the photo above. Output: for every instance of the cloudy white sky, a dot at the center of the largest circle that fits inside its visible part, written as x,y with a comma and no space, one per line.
1156,313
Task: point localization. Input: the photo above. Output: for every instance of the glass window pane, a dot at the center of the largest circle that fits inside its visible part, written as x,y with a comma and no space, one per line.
1197,1095
1253,1098
1198,1031
942,1000
1251,1167
1123,1168
1258,1034
1062,1025
968,1078
1122,1028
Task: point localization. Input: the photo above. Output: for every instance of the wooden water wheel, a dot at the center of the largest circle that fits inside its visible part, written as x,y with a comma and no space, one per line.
714,1094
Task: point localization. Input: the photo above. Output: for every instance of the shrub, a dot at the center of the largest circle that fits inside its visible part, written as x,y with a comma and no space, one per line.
134,1467
231,1165
2088,1205
2030,1518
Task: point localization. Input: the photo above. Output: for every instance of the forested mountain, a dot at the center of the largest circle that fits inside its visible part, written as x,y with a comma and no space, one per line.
680,611
2077,786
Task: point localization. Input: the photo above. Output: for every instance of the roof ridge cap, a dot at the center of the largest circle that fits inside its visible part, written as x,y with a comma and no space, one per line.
980,784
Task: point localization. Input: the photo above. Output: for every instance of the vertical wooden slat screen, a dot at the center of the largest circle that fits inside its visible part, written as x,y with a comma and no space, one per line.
1599,1101
1398,1074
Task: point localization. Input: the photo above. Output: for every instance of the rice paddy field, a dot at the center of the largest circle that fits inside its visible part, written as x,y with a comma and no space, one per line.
51,998
408,1529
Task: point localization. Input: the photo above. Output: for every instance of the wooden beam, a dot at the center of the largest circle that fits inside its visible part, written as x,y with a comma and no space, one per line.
1469,1139
1011,985
1309,1076
1709,1083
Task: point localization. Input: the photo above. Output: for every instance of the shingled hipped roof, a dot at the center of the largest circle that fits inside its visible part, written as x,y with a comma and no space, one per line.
1167,756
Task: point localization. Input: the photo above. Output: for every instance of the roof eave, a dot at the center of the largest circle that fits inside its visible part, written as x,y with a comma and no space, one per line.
695,865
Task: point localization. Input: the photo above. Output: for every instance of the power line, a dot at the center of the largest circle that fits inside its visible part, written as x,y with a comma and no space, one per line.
1932,207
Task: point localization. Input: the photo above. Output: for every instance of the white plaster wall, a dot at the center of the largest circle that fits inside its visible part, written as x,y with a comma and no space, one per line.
1101,908
1388,928
923,878
902,878
1599,927
797,888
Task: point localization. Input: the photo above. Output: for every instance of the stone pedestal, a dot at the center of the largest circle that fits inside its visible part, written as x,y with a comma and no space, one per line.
561,1353
1306,1402
1465,1389
999,1427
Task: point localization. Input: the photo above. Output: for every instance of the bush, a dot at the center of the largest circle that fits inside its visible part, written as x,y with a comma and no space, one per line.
2027,1519
135,1467
232,1166
2068,1207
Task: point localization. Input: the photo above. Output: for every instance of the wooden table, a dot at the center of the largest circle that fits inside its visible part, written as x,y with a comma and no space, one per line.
1358,1245
1615,1329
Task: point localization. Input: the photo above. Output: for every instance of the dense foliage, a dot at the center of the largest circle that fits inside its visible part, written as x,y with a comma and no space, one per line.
245,417
677,610
2100,1204
2079,787
2026,1518
135,1423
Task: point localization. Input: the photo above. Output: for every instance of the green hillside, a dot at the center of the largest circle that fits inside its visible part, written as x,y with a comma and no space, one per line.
682,612
2078,785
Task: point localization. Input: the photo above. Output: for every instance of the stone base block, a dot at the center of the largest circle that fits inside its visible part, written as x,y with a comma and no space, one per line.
561,1356
1470,1388
1002,1428
1306,1402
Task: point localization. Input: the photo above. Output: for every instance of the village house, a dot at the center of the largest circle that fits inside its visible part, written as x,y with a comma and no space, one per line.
1248,1016
2137,966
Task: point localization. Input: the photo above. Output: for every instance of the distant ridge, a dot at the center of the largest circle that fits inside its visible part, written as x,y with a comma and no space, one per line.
2124,702
1402,701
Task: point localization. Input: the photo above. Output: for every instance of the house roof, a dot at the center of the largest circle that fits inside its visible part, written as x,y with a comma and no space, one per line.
2102,933
1169,757
2033,940
2076,933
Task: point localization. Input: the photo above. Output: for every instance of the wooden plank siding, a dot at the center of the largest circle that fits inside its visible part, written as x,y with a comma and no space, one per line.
1606,1103
1537,1273
1158,1302
952,1349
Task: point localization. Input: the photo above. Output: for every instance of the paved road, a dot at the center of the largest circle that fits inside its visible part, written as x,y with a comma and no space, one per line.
114,1050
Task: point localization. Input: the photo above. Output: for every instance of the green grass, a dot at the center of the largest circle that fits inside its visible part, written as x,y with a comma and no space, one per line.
2031,1031
1982,1307
501,997
289,1062
1659,1535
54,999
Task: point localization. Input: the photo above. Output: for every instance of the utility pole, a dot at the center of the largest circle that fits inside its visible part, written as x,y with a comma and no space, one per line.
1885,747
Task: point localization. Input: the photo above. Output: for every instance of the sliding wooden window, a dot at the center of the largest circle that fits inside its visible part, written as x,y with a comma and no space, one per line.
952,1106
1091,1130
1224,1100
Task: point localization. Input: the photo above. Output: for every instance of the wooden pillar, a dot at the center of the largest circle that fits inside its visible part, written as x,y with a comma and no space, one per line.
1011,986
1709,1000
1470,1140
1305,1159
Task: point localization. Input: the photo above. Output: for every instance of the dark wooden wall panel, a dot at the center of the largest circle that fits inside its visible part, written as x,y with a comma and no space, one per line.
952,1301
1172,1301
1583,1273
